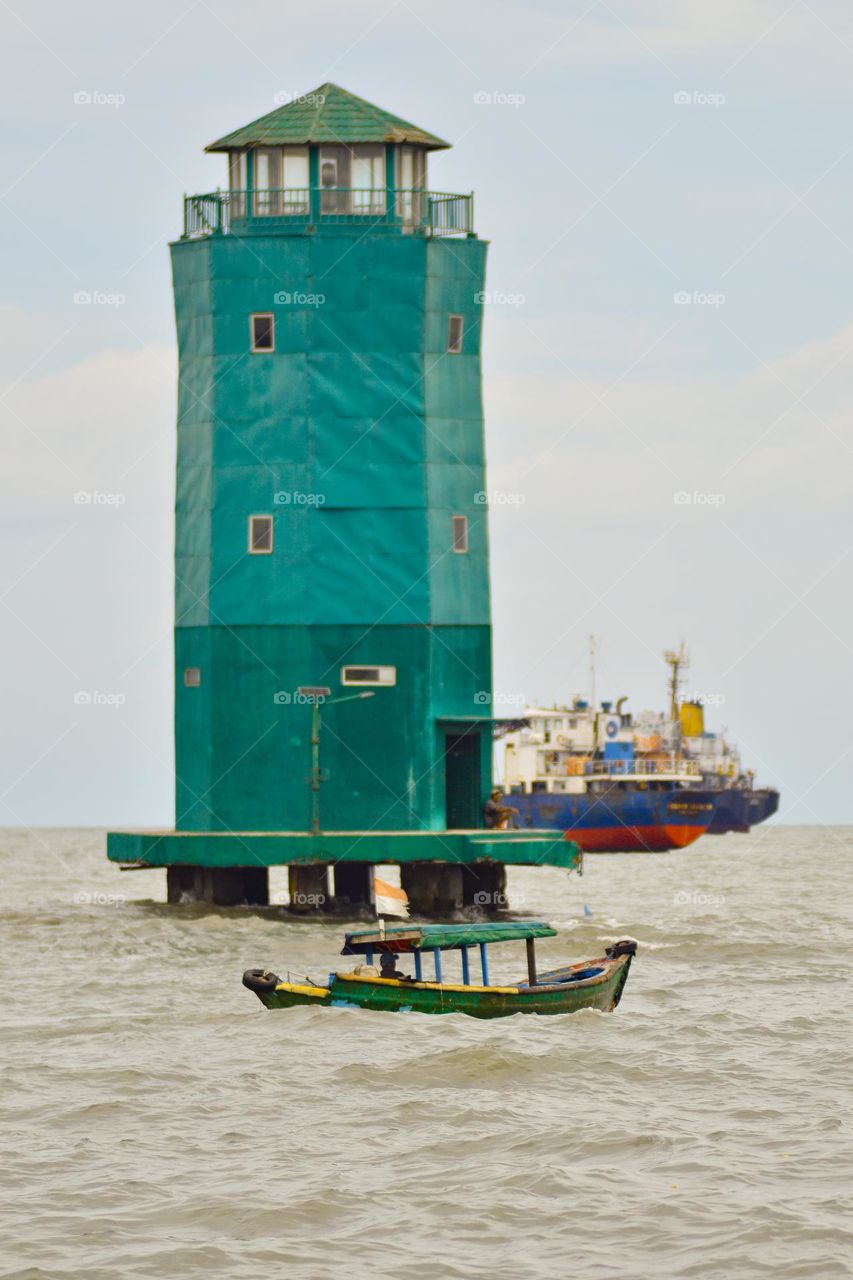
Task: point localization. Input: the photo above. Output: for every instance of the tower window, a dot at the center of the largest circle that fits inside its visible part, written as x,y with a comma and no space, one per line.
263,331
369,675
192,677
260,535
454,335
460,533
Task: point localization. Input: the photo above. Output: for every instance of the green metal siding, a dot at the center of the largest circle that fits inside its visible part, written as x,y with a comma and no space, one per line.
361,406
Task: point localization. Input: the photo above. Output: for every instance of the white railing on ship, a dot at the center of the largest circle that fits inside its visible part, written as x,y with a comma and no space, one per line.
622,768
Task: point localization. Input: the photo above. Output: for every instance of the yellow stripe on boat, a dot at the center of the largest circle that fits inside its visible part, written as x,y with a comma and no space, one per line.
299,990
425,986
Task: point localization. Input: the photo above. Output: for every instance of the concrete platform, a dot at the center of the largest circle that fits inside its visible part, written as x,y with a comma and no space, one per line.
289,848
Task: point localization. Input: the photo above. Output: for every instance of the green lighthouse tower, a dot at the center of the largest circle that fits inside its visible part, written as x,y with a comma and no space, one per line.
331,561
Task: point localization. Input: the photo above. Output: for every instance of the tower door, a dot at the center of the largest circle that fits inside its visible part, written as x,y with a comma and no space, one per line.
462,780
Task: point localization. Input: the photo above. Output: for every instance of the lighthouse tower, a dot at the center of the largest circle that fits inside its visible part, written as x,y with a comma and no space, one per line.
331,535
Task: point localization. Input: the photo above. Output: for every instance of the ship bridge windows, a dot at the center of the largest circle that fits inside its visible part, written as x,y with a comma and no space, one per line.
262,331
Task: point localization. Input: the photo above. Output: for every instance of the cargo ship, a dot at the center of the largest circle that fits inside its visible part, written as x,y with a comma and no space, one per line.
586,771
618,783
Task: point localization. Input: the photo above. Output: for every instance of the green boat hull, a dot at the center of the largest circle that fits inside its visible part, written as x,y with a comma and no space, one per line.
555,993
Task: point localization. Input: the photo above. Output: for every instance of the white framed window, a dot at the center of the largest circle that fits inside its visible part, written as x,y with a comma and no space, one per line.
459,525
367,178
369,675
262,331
454,335
192,677
294,179
260,535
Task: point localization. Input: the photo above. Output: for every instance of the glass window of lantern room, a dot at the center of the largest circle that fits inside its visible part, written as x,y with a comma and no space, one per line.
334,180
237,182
368,179
294,179
267,180
410,181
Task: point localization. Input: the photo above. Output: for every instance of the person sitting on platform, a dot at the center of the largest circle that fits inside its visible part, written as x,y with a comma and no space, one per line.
497,816
388,967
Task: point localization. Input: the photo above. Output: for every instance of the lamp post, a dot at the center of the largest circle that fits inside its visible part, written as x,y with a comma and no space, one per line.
318,696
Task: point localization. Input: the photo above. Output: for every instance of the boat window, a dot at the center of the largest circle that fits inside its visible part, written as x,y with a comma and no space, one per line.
260,535
459,525
454,335
368,179
192,677
369,675
263,331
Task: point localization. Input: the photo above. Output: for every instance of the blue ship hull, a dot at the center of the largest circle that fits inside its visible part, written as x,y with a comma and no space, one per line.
738,810
621,821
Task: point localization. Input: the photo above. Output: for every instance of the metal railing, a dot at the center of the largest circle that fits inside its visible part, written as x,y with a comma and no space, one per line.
436,213
574,767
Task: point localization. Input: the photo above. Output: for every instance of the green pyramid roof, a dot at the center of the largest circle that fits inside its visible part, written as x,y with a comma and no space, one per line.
328,114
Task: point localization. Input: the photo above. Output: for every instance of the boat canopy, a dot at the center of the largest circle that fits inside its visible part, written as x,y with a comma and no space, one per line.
441,937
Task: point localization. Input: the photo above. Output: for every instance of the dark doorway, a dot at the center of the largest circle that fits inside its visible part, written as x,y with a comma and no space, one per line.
462,780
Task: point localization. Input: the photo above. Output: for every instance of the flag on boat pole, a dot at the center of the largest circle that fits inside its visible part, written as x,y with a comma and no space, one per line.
390,901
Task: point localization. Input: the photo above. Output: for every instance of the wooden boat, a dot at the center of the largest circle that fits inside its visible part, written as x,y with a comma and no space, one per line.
592,984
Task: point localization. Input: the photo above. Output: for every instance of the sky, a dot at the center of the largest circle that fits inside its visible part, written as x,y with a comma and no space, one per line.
668,354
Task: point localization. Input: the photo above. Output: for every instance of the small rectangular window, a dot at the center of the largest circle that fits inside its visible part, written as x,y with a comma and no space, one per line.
260,535
454,335
192,677
263,331
369,675
460,533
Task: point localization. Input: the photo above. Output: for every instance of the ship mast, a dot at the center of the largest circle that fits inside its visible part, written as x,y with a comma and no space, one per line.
677,660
